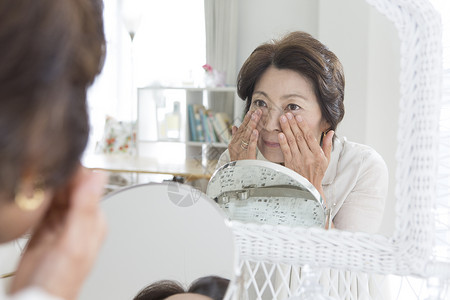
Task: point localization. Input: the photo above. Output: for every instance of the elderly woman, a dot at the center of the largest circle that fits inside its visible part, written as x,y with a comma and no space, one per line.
294,93
50,53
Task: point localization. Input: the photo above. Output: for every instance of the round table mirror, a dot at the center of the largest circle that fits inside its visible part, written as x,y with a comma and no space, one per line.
165,231
266,193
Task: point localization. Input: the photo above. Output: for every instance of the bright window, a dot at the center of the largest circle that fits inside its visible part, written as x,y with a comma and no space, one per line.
168,49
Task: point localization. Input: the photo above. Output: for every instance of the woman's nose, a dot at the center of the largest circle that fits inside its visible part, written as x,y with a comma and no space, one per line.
272,120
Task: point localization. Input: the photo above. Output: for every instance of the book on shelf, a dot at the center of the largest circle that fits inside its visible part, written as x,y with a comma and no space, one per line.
205,125
210,117
213,126
192,123
224,126
208,126
199,132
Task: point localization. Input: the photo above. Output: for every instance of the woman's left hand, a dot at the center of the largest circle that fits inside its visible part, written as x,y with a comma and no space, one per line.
302,152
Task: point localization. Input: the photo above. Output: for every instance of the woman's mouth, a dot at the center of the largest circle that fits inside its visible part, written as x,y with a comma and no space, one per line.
271,144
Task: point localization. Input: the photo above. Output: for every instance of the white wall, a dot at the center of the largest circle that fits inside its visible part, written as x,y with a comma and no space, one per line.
383,96
343,27
368,47
262,20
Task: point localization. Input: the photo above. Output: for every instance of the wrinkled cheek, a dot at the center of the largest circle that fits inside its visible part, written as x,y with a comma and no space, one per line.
261,125
315,128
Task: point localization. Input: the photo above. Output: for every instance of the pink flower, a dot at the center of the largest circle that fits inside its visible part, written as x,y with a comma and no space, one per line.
207,68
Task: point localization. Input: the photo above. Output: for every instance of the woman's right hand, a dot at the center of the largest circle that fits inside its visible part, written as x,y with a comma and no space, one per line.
244,139
64,246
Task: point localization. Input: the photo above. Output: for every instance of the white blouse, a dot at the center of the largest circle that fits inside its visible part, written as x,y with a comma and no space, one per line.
355,185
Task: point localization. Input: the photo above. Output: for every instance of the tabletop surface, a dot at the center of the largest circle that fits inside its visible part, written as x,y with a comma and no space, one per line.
190,169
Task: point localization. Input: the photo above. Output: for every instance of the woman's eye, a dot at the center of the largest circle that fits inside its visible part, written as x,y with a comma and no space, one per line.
259,103
292,107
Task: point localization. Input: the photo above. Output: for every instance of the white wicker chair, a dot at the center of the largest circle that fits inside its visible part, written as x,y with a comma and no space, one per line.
411,251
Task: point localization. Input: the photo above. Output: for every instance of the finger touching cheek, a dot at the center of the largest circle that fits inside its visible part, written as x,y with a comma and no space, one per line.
285,149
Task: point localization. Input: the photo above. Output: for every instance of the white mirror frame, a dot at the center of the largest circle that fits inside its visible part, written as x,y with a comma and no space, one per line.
408,251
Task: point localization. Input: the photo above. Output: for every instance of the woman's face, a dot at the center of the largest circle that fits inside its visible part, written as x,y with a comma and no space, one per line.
278,92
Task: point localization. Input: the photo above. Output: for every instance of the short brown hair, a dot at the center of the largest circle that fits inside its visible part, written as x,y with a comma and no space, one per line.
212,286
50,53
300,52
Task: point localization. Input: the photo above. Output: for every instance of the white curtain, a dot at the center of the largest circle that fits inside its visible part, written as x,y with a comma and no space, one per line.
221,17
